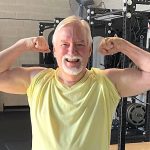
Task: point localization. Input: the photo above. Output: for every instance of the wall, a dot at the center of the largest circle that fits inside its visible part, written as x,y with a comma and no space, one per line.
113,4
18,20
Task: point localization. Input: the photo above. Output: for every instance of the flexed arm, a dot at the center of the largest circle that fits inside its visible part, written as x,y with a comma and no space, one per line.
17,80
9,55
113,45
128,81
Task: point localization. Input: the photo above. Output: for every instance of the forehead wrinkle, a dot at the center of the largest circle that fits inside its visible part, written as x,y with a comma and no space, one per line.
73,32
76,41
78,30
72,35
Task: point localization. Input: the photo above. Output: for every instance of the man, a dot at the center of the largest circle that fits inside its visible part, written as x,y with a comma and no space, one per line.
71,107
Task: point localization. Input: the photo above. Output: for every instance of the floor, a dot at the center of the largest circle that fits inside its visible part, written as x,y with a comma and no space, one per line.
15,130
134,146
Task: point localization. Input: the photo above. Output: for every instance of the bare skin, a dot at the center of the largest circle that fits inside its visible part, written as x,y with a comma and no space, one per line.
72,41
17,80
129,81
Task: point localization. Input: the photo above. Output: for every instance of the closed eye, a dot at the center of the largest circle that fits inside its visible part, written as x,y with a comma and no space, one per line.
80,44
64,45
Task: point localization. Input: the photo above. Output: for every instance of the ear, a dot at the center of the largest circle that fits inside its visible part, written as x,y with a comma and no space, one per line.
90,51
54,52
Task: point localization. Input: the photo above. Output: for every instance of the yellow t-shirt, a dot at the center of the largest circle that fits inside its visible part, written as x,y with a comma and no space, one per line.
71,118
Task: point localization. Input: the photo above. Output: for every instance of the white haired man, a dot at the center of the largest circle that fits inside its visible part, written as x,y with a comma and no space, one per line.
72,107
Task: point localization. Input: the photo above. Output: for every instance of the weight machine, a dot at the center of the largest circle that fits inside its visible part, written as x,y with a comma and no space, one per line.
98,18
129,14
48,60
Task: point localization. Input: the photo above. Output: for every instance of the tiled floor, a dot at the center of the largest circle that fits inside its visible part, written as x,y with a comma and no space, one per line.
15,130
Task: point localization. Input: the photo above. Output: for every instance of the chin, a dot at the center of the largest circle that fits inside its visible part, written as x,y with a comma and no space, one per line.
73,71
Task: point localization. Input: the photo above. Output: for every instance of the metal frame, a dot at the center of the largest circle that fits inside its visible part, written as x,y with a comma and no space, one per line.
129,9
42,27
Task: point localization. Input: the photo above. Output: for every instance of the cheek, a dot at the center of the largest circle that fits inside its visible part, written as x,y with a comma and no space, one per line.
59,52
59,55
86,53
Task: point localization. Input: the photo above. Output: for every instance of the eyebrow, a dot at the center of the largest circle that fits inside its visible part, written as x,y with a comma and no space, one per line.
63,41
81,41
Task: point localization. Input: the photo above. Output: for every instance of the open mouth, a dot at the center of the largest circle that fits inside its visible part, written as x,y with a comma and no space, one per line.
72,64
72,60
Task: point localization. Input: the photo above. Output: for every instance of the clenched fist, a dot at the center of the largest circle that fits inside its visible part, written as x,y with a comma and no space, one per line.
38,44
111,45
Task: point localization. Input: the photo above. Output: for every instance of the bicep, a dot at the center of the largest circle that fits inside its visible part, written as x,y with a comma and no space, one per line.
17,80
14,81
130,82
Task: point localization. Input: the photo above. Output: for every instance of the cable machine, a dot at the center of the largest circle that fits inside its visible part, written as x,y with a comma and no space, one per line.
102,22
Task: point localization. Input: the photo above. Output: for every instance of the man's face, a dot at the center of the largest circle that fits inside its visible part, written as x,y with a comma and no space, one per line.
71,49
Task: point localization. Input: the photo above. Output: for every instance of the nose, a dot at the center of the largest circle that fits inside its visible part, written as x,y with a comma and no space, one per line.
72,49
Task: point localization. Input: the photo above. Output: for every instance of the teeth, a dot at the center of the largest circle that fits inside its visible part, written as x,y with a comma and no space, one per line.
73,60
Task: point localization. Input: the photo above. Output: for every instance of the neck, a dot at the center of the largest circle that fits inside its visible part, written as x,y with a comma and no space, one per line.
70,80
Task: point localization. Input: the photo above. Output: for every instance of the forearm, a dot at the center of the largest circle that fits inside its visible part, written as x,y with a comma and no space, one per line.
140,57
9,55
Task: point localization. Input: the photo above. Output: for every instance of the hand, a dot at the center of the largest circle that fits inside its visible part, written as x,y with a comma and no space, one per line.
110,45
38,44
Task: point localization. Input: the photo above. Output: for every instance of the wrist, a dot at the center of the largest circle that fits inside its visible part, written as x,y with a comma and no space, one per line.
23,45
123,45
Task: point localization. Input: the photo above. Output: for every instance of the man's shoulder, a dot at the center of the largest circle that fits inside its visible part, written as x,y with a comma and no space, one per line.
42,73
98,71
105,73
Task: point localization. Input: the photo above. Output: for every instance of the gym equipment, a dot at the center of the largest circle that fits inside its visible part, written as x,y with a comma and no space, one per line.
136,114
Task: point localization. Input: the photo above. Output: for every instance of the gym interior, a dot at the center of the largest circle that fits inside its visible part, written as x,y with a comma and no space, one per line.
127,19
